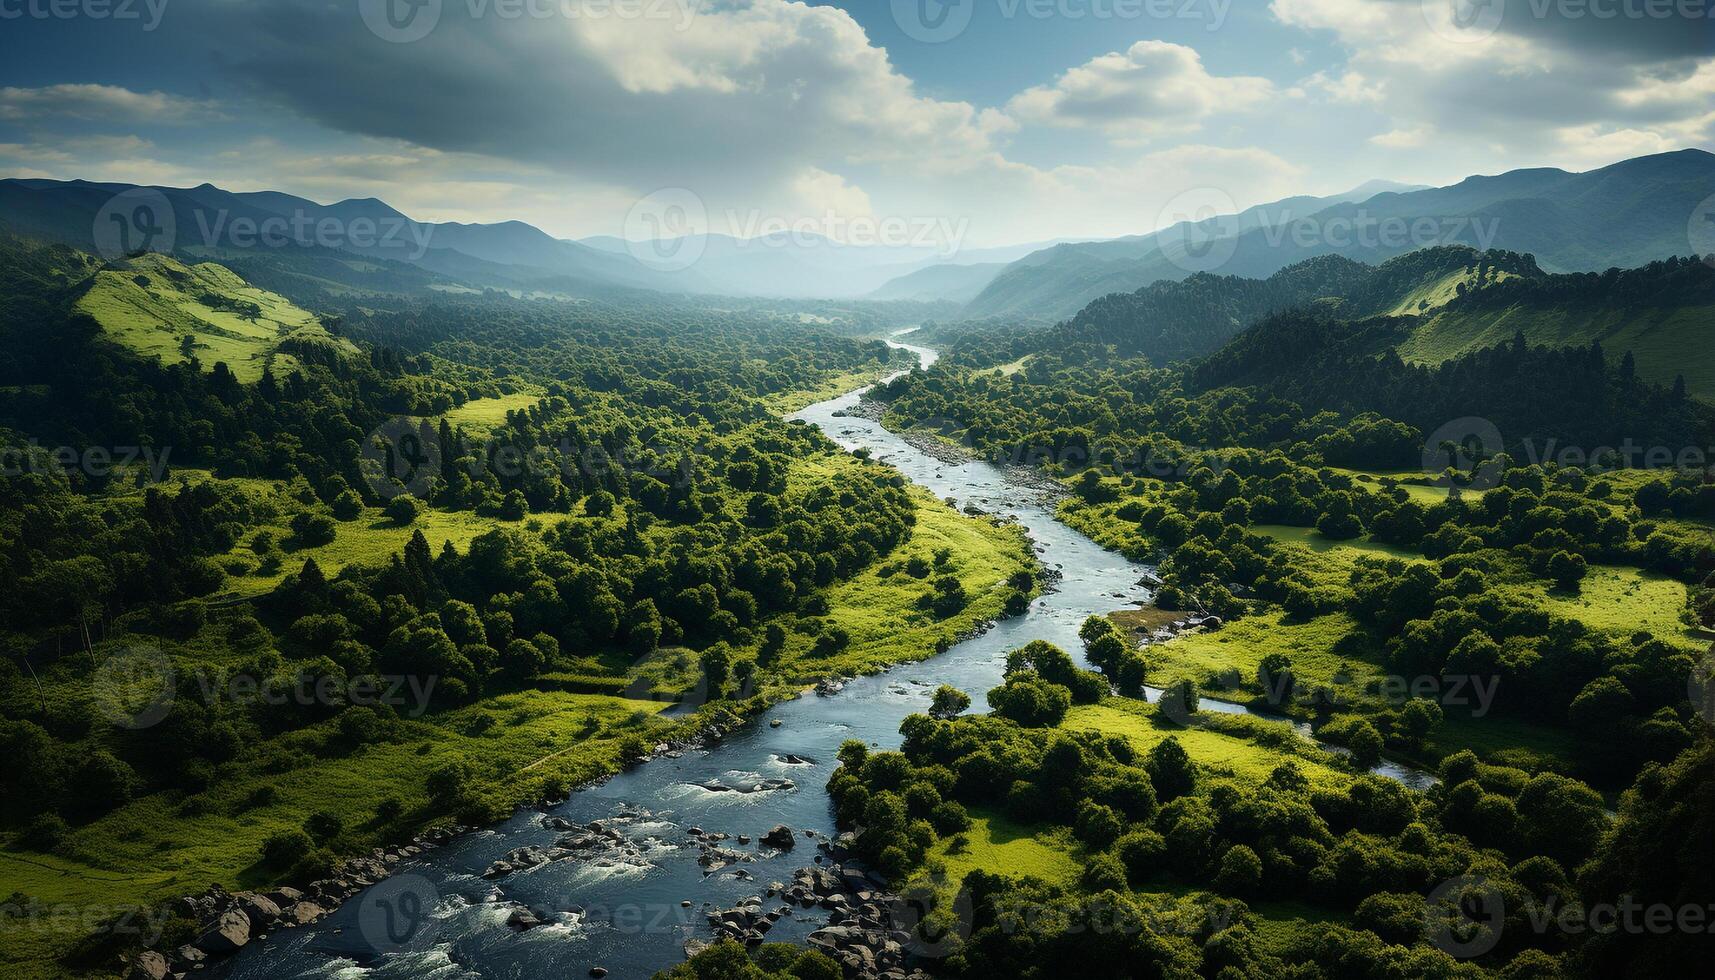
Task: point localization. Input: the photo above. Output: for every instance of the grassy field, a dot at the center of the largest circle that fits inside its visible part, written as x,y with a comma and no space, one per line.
880,612
1220,753
480,416
1440,292
152,303
1620,601
999,844
166,845
1241,645
1664,343
1414,482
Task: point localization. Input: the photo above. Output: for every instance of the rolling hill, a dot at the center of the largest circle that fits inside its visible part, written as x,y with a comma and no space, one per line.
1440,303
952,283
158,307
1624,215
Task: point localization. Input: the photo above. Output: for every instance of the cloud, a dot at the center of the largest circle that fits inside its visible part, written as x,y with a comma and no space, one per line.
1153,87
1348,88
1522,85
820,192
1400,139
743,96
101,102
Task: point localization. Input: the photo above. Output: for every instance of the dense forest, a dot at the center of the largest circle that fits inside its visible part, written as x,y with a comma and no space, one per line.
527,517
471,505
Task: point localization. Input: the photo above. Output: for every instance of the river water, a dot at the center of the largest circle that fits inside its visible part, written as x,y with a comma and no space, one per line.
440,918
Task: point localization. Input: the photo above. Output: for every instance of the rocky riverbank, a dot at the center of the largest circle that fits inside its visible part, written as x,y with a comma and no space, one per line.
864,932
229,921
953,454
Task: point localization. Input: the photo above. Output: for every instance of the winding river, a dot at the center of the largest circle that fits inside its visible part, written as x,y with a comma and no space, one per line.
631,913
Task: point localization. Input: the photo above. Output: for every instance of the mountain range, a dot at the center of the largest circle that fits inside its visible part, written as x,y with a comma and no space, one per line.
1624,215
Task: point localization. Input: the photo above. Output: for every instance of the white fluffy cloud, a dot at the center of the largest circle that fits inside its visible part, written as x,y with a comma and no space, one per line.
1152,87
1519,84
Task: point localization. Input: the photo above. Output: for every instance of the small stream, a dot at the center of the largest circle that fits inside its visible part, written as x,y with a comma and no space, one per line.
631,911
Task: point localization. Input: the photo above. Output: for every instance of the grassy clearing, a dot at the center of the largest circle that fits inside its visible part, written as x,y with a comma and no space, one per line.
998,844
1508,741
480,416
1222,754
1620,601
1241,645
1414,482
152,304
370,538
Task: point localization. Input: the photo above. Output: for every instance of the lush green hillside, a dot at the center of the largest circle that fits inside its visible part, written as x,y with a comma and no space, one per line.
161,308
1433,306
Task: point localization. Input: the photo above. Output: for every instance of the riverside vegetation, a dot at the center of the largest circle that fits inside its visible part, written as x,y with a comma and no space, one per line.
403,562
1532,625
540,523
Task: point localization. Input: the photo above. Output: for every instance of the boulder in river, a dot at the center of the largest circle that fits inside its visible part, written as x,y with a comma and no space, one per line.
260,909
225,934
149,965
780,837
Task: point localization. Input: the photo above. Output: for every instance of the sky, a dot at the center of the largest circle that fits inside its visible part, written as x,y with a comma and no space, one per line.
995,121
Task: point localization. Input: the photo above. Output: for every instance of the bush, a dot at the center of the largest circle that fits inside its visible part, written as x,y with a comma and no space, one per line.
43,833
1031,701
310,529
323,826
286,848
1240,872
948,701
1103,873
1098,826
403,509
1141,852
449,784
